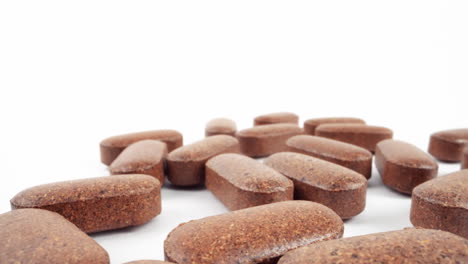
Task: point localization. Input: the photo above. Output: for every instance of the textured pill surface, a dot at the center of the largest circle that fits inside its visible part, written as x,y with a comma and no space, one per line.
143,157
148,262
97,204
220,126
258,234
403,166
361,135
442,203
448,145
276,118
465,159
311,124
33,236
334,186
344,154
240,182
111,147
186,165
406,246
265,140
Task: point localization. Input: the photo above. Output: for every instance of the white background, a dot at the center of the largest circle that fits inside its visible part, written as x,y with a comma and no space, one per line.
75,72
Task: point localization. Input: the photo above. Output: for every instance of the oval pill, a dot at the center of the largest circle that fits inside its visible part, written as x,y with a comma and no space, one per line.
259,234
344,154
276,118
406,246
97,204
448,145
186,165
220,126
240,182
42,237
111,147
465,159
148,262
265,140
442,203
311,124
143,157
337,187
361,135
403,166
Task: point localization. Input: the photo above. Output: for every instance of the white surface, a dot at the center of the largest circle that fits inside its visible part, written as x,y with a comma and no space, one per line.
73,73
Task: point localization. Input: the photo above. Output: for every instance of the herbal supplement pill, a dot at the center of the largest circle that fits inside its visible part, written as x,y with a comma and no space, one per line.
465,159
113,146
143,157
148,262
259,234
240,182
186,165
311,124
97,204
276,118
448,145
337,187
220,126
344,154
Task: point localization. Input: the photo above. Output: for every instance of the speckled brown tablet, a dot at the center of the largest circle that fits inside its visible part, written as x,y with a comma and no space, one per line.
186,165
361,135
240,182
265,140
403,166
447,145
259,234
97,204
148,262
332,185
311,124
347,155
220,126
465,159
143,157
442,203
33,236
408,246
276,118
113,146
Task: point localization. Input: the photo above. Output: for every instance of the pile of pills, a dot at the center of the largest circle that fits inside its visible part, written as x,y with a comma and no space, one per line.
288,208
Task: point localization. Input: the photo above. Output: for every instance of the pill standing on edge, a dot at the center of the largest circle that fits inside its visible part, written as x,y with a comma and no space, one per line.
311,124
361,135
404,246
403,166
341,153
259,234
220,126
465,158
44,237
186,165
442,203
143,157
339,188
265,140
276,118
97,204
111,147
447,145
240,182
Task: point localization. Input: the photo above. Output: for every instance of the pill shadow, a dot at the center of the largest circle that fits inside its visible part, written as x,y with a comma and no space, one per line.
170,186
125,230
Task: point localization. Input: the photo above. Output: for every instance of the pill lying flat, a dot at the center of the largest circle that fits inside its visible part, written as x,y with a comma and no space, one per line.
311,124
111,147
447,145
265,140
442,203
220,126
276,118
186,165
97,204
143,157
337,187
240,182
403,166
465,159
258,234
406,246
361,135
34,236
344,154
148,262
